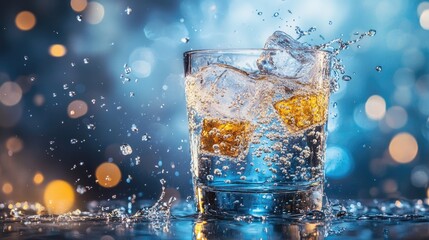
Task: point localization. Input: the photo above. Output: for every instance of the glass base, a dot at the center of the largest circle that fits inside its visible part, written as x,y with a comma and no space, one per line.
279,202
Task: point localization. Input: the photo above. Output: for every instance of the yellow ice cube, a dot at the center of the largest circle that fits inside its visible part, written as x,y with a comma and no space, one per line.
227,138
302,111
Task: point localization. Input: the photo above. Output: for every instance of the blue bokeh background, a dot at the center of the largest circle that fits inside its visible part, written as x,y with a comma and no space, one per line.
378,143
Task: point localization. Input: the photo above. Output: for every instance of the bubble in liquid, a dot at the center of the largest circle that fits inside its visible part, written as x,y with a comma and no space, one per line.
73,141
90,126
86,60
126,149
259,13
79,18
25,58
184,40
330,22
80,189
346,78
210,178
65,86
379,68
334,105
72,64
276,14
72,93
128,10
132,94
372,32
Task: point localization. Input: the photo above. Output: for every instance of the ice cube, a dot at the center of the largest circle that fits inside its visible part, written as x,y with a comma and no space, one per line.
221,91
226,138
303,111
291,59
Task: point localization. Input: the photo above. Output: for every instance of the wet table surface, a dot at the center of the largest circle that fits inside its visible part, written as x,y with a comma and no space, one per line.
351,220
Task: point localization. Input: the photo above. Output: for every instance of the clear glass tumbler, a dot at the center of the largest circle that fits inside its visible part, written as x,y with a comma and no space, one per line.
257,125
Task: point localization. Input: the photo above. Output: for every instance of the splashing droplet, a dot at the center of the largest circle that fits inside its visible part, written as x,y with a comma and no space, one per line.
379,68
184,40
347,78
73,141
79,18
72,64
86,60
25,58
126,149
146,137
372,32
72,93
134,128
128,10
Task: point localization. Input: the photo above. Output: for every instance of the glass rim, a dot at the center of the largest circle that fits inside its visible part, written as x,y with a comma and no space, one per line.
242,50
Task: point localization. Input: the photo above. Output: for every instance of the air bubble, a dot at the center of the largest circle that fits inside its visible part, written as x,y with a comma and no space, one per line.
210,178
276,14
73,141
86,60
347,78
126,149
72,93
127,69
146,137
184,40
132,94
72,64
330,22
372,32
259,13
90,126
134,128
25,58
79,18
65,86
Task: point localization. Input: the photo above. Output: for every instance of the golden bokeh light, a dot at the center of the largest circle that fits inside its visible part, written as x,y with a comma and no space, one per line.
38,178
7,188
403,148
375,107
78,5
39,100
108,175
14,145
424,19
59,197
57,50
25,20
94,13
10,93
77,109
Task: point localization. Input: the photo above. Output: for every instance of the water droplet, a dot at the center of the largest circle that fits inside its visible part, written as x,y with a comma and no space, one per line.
184,40
289,11
32,79
330,22
346,78
210,178
72,93
134,128
162,181
128,10
132,94
25,58
372,32
334,105
259,13
79,18
182,20
86,60
146,137
379,68
65,86
80,189
90,126
127,69
126,149
276,14
358,46
315,215
165,87
73,141
72,64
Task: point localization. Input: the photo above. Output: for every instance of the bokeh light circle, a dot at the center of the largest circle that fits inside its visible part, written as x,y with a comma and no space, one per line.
94,13
403,148
38,178
10,93
396,117
59,197
339,162
7,188
78,5
375,107
57,50
25,20
77,109
14,145
108,175
424,19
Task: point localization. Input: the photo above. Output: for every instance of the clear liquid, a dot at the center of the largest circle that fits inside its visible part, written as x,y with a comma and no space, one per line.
273,165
